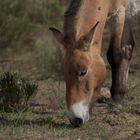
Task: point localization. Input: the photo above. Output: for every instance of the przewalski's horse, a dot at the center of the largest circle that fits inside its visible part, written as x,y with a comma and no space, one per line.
84,68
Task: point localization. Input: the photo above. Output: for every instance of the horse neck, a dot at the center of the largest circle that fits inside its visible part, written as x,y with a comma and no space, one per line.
89,12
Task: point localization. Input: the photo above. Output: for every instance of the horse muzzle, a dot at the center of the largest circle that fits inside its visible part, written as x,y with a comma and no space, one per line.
78,114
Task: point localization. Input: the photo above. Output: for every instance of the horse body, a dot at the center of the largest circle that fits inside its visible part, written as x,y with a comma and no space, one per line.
84,68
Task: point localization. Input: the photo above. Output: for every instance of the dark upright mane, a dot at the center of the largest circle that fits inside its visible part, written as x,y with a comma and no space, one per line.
70,15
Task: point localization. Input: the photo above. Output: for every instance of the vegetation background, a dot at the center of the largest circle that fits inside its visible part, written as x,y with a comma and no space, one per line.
28,48
25,40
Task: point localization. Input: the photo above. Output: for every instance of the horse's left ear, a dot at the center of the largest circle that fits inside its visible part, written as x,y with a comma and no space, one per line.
58,35
86,40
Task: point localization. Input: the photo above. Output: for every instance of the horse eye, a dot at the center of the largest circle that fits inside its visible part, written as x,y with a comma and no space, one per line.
82,73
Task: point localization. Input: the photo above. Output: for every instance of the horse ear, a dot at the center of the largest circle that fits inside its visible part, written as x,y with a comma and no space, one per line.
86,40
58,35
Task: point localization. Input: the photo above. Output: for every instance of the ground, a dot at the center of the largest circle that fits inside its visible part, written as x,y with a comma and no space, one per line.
46,118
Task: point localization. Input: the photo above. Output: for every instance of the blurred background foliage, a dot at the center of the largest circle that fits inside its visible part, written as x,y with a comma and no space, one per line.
26,44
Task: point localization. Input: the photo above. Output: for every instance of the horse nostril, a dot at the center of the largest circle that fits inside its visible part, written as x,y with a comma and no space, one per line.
77,122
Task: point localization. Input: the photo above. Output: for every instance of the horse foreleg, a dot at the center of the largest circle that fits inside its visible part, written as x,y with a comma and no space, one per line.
119,55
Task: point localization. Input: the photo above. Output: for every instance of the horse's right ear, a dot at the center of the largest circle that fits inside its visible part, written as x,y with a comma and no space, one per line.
58,35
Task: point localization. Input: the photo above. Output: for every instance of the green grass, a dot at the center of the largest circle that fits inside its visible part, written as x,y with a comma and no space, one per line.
48,120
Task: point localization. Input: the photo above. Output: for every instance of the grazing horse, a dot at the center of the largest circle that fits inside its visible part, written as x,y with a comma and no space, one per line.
84,68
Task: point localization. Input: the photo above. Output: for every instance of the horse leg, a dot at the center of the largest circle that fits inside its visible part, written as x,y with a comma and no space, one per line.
119,55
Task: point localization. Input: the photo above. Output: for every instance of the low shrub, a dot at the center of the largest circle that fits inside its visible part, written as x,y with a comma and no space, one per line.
15,92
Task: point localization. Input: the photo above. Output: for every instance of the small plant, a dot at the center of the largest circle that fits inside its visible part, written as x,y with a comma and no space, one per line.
15,92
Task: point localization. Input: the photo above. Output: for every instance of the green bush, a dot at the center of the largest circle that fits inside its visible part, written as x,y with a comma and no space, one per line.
15,92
